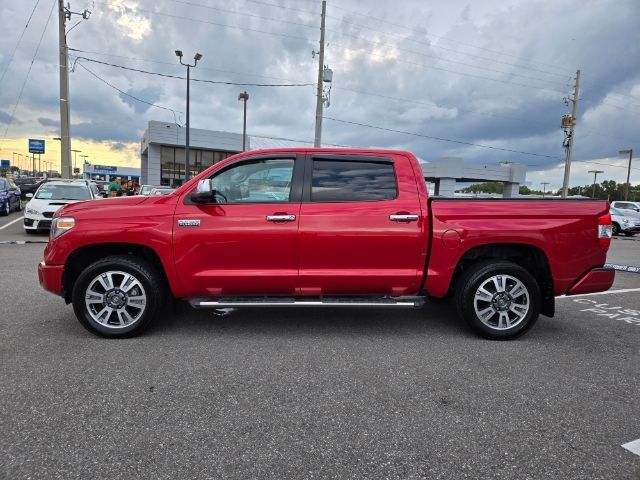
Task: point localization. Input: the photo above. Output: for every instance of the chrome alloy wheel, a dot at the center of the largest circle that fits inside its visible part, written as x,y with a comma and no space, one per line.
115,299
501,302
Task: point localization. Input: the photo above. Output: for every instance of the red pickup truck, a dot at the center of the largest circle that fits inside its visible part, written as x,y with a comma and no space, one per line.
323,227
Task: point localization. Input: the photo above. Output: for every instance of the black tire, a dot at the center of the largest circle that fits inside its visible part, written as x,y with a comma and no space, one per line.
150,279
615,229
19,209
6,209
471,281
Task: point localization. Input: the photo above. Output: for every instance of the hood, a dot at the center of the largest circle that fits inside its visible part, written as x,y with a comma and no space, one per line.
107,202
45,205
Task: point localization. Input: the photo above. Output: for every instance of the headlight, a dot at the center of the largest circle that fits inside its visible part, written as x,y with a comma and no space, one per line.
31,211
626,220
60,225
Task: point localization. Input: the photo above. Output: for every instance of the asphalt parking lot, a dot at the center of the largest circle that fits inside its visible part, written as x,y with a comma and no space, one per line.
321,393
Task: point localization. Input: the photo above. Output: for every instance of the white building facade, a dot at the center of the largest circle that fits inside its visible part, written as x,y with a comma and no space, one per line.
162,151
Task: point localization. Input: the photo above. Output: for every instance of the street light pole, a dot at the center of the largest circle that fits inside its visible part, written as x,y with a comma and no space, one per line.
75,157
84,160
626,186
196,57
244,96
595,175
544,188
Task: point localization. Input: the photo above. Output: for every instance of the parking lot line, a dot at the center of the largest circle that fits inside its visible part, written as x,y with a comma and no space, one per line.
608,292
633,447
11,223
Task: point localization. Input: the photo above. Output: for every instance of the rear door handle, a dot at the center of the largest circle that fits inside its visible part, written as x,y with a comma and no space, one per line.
403,218
281,218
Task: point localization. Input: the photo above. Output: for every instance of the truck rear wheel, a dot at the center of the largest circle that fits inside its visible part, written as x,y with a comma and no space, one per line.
118,296
498,299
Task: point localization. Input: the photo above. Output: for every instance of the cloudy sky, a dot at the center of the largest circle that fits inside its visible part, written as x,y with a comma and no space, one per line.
489,73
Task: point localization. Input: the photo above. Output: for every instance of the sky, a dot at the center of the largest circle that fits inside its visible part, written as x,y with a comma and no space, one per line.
481,80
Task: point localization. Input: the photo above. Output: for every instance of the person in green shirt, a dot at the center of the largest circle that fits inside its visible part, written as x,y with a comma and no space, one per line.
114,188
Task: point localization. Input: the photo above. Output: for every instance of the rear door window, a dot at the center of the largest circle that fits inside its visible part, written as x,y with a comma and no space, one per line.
352,181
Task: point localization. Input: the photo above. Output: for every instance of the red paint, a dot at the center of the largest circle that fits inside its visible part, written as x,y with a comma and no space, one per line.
597,280
331,248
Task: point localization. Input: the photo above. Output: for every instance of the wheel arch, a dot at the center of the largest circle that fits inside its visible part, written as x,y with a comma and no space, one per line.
84,256
529,257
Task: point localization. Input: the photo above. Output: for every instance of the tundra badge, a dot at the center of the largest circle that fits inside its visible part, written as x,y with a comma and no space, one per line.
188,223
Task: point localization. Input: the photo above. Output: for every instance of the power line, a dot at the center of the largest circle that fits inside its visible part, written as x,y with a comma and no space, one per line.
225,25
35,54
442,139
174,65
442,37
129,95
6,68
245,14
217,82
426,55
472,75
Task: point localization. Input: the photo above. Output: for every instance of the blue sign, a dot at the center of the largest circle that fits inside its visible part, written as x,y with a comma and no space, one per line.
5,163
104,169
36,146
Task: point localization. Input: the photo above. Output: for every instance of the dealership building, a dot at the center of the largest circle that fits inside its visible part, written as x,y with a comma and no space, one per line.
162,151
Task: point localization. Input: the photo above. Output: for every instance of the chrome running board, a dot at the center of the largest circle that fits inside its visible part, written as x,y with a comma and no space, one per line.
235,302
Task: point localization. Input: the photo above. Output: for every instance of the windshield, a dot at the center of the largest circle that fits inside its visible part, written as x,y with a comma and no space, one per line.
63,192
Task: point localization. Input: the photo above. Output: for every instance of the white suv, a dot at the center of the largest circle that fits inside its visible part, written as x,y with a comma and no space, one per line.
620,205
52,195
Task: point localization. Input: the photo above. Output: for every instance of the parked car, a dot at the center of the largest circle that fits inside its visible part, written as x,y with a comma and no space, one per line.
146,189
625,221
9,197
50,197
635,206
161,191
28,185
323,227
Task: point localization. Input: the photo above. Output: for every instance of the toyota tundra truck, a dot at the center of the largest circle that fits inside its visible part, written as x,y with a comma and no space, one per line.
323,228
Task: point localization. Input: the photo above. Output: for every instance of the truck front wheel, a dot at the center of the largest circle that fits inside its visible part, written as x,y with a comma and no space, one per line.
498,299
118,296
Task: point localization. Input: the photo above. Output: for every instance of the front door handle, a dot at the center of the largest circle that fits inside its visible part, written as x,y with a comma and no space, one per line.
403,218
281,218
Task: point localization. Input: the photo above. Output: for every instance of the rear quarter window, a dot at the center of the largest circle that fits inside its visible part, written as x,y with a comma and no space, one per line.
352,181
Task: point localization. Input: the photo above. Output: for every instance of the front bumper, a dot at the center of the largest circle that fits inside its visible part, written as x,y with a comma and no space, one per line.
50,277
35,223
596,280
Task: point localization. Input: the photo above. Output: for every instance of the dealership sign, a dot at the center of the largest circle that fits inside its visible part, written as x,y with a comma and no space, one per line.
36,146
5,163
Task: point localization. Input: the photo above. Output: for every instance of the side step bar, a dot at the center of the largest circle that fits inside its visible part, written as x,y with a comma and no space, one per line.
236,302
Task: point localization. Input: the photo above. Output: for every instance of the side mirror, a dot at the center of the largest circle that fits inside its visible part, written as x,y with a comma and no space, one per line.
29,195
203,192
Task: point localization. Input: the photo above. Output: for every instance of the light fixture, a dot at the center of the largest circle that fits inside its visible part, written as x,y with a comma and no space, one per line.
197,56
179,53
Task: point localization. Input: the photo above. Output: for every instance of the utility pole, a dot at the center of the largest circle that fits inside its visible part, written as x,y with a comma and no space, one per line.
317,142
64,14
196,58
544,188
569,139
626,185
595,175
65,141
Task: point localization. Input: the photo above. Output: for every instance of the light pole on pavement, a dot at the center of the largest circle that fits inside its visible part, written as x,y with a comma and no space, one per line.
75,156
244,96
626,185
196,57
84,160
544,187
595,175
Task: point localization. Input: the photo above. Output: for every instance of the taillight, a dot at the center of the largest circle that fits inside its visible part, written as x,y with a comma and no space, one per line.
605,231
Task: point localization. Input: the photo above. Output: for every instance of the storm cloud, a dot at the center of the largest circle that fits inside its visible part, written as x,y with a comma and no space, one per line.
487,73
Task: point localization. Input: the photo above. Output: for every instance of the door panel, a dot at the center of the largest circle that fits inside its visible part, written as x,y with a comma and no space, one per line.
354,247
236,249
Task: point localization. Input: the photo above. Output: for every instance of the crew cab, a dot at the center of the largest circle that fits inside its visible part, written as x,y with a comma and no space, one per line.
323,227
